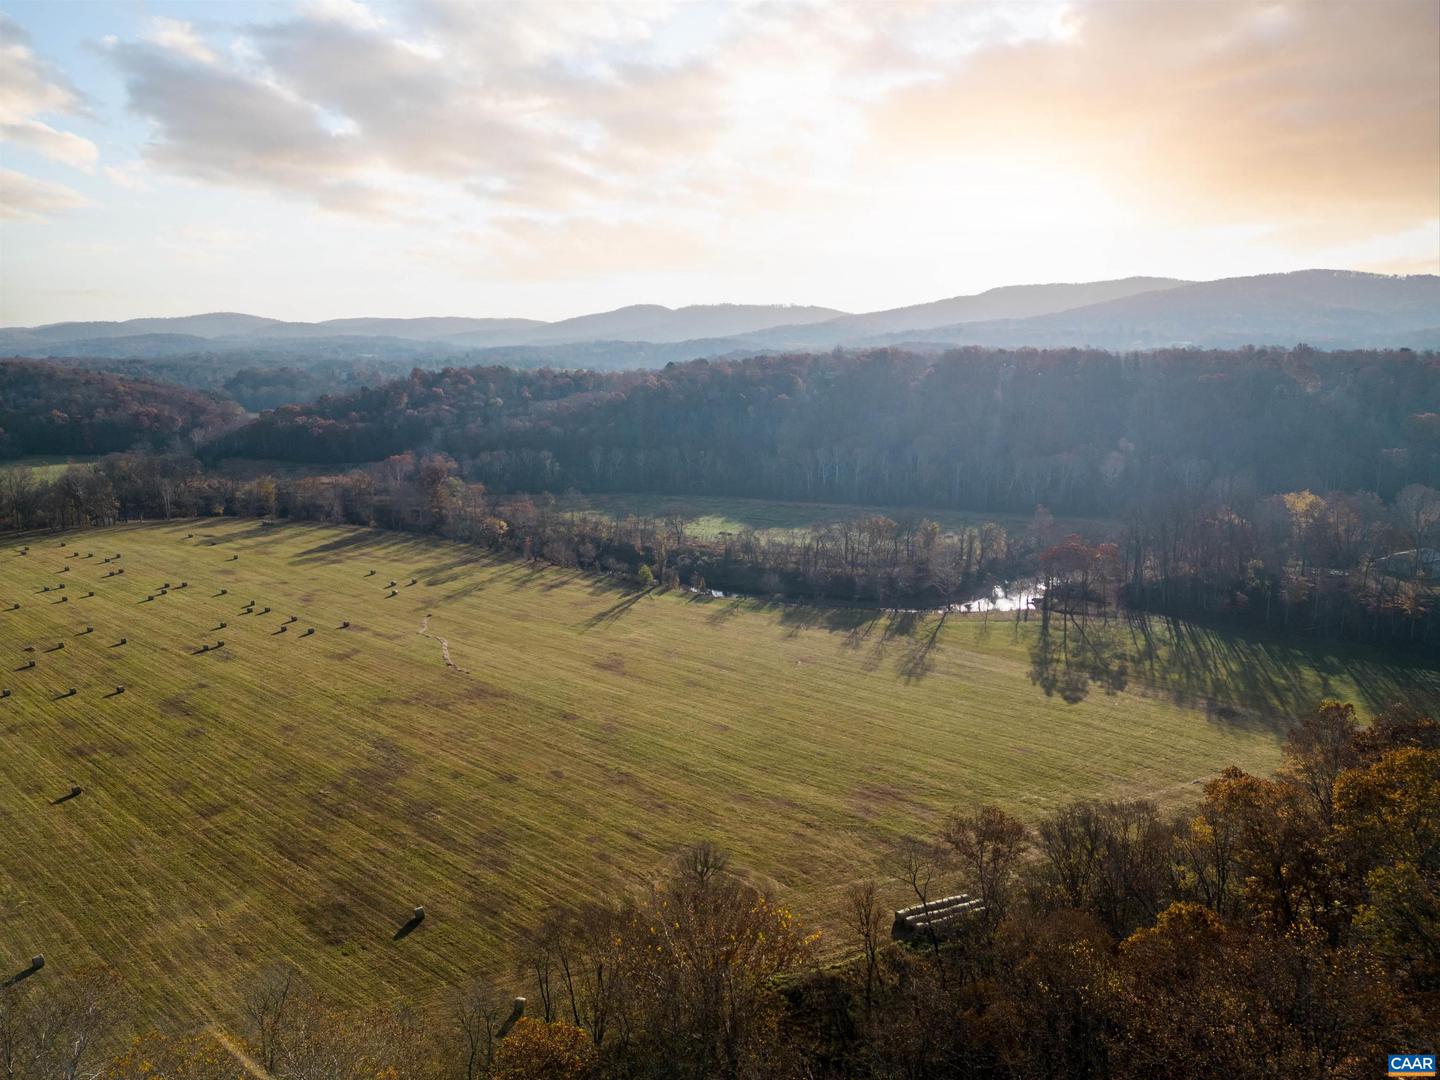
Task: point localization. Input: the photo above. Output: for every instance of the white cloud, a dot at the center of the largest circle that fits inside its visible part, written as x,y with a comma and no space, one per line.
62,146
30,88
179,37
25,198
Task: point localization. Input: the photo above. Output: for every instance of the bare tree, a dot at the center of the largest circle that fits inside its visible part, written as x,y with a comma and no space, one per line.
867,921
988,846
478,1016
267,1008
917,864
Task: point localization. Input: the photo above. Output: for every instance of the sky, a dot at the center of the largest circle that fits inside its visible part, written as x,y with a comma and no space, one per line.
333,158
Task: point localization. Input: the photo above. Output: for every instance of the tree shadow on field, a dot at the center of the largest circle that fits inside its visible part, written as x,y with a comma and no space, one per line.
361,541
1253,681
851,621
1069,656
615,611
723,613
919,658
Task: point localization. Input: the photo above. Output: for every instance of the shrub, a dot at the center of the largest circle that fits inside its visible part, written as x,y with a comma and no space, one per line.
556,1051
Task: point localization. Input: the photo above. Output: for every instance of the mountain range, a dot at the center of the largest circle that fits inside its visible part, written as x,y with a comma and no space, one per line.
1323,308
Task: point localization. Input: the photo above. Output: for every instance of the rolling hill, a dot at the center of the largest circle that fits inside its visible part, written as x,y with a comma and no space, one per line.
1323,308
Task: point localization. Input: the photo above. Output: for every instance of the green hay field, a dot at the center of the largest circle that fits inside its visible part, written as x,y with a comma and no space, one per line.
294,797
46,467
713,515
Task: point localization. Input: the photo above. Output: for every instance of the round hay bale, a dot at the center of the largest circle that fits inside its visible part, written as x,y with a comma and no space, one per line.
4,692
37,962
419,913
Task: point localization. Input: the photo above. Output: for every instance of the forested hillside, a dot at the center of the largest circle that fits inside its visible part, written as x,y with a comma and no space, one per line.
46,409
1082,432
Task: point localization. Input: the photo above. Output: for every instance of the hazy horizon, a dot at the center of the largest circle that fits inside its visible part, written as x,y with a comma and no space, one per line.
335,159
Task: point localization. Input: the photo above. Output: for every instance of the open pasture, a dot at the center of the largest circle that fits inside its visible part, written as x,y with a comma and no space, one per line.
711,516
487,737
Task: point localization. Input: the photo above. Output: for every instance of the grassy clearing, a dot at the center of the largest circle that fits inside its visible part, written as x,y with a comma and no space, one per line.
46,466
714,515
289,796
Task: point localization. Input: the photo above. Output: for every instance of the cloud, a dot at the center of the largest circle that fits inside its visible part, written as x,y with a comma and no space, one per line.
1315,119
24,198
223,126
1298,112
30,88
179,37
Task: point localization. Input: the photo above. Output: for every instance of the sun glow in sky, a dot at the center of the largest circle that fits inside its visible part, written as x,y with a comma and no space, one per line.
334,158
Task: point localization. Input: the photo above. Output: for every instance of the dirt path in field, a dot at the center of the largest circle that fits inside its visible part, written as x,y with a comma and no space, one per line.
424,631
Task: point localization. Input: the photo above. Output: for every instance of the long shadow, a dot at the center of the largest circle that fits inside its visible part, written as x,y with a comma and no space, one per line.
615,611
921,661
20,976
726,612
409,928
73,793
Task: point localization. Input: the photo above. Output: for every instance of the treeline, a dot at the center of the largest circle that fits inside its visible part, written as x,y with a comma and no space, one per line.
982,429
255,381
48,409
1339,565
872,558
1283,926
1342,564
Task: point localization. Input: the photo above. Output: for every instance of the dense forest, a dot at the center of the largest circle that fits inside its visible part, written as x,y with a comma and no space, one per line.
1081,432
49,409
1275,927
1294,490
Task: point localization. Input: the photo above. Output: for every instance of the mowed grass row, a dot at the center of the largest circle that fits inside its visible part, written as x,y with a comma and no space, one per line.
289,797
